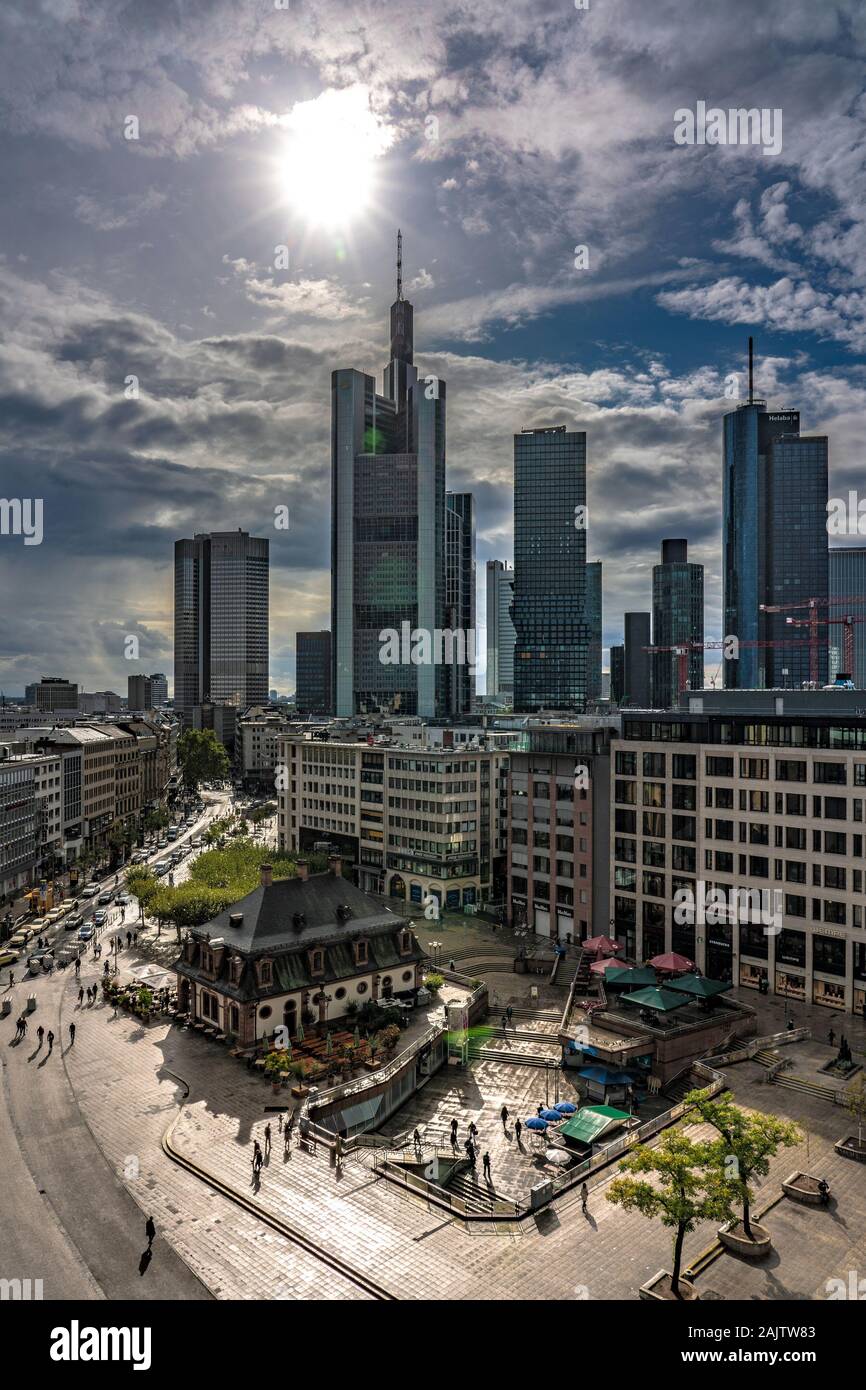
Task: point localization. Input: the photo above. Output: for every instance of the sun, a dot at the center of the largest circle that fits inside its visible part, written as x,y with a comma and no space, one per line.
329,167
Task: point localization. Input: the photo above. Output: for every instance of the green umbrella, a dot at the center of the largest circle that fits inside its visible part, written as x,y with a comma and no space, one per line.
634,978
289,1049
299,1034
664,1001
700,986
329,1046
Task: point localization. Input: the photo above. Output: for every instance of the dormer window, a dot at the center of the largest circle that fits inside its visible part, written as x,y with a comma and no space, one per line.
266,972
405,941
206,959
237,966
362,952
317,962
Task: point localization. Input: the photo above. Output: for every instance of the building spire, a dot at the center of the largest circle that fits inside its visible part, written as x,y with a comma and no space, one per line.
399,264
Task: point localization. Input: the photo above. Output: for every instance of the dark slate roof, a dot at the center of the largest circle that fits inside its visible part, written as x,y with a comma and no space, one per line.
268,915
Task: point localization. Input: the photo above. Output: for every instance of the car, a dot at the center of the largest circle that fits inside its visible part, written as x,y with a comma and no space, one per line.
196,842
105,899
7,957
123,900
73,921
100,917
89,892
172,834
85,933
160,870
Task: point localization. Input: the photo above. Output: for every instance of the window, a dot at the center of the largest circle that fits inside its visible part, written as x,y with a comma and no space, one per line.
624,792
625,878
265,972
407,976
265,1011
683,798
340,993
720,767
683,828
790,770
317,962
653,793
837,773
626,764
361,987
626,850
755,768
835,808
625,822
653,764
684,766
654,824
654,854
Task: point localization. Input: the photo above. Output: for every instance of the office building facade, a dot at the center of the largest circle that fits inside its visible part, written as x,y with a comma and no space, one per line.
617,674
637,680
54,693
557,602
847,584
220,621
500,631
313,672
678,618
775,548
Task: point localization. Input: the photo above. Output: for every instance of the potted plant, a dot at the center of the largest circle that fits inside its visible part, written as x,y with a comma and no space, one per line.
276,1066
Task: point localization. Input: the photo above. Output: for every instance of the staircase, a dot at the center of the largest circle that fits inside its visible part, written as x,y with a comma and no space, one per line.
679,1088
478,1052
479,1198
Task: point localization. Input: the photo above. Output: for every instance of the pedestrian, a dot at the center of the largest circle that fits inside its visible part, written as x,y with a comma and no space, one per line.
19,1020
77,967
416,1139
40,1033
504,1023
509,1012
50,1040
485,1165
453,1131
831,1037
503,1115
80,996
268,1137
517,1130
257,1148
451,964
473,1130
135,938
539,1109
584,1197
128,939
11,978
150,1231
23,1026
71,1034
280,1123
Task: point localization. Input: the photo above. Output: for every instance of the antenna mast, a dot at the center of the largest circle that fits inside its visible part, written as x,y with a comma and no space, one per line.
399,264
751,370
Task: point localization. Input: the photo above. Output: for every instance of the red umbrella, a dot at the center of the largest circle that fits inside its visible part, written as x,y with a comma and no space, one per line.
601,945
601,967
673,962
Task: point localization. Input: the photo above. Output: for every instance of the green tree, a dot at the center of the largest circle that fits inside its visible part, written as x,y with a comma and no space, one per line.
202,758
689,1188
747,1143
855,1104
157,818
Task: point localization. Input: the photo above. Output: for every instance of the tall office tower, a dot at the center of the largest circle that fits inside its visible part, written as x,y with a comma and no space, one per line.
460,600
159,688
54,693
500,631
848,582
388,531
313,672
775,548
678,616
638,664
617,674
557,596
220,621
139,694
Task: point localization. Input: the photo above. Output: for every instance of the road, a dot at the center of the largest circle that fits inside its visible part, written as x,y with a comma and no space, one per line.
67,1218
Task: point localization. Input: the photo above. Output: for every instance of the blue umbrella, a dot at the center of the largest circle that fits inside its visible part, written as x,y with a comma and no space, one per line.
550,1115
535,1123
605,1076
565,1107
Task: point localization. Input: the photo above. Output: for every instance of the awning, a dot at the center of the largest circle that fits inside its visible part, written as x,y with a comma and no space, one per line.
590,1123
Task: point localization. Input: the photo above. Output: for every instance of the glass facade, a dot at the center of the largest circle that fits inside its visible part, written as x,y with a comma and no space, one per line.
847,580
313,672
678,617
637,673
557,604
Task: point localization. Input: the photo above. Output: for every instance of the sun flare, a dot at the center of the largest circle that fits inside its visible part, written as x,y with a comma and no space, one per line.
333,145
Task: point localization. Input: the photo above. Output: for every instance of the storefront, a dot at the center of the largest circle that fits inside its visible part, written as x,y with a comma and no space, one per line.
829,993
752,974
790,984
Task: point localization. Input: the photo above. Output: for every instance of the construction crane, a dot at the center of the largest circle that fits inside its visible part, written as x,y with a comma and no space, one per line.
682,650
813,622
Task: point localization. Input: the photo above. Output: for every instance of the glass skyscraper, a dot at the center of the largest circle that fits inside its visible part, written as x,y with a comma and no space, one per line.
500,631
847,581
389,530
220,621
678,617
459,692
557,596
637,676
313,672
774,543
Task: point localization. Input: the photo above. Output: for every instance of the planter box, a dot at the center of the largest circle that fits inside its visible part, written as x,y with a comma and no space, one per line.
658,1288
803,1187
300,1091
848,1148
734,1239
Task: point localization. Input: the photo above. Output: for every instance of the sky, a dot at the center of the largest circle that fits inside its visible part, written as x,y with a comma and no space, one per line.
199,212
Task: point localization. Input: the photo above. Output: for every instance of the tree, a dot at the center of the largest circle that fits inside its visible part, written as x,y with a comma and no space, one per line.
690,1188
747,1143
202,758
855,1104
157,818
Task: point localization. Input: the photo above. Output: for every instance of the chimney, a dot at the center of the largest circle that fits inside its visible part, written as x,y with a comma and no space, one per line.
335,864
236,920
303,870
267,874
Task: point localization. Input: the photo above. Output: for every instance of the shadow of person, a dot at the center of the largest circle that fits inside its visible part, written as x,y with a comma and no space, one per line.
144,1262
257,1181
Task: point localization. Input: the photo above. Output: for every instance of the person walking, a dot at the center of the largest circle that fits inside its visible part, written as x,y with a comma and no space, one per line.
473,1130
128,939
453,1131
11,978
150,1231
584,1197
518,1127
77,967
24,1025
451,963
509,1012
504,1023
50,1041
135,938
485,1166
503,1115
71,1034
257,1148
831,1037
40,1033
268,1137
80,995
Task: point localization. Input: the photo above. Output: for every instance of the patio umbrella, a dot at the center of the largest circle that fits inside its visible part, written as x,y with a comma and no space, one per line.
535,1123
600,944
357,1035
565,1107
552,1116
289,1050
558,1157
672,961
607,966
700,986
329,1046
299,1033
664,1001
606,1076
634,977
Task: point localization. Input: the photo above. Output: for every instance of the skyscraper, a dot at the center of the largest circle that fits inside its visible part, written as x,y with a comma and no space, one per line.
500,631
313,672
220,621
388,528
617,674
678,617
459,694
775,549
159,688
638,666
557,596
139,694
847,581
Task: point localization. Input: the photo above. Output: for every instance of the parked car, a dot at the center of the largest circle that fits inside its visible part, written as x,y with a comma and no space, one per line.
123,900
100,917
73,921
7,957
89,892
105,899
85,933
